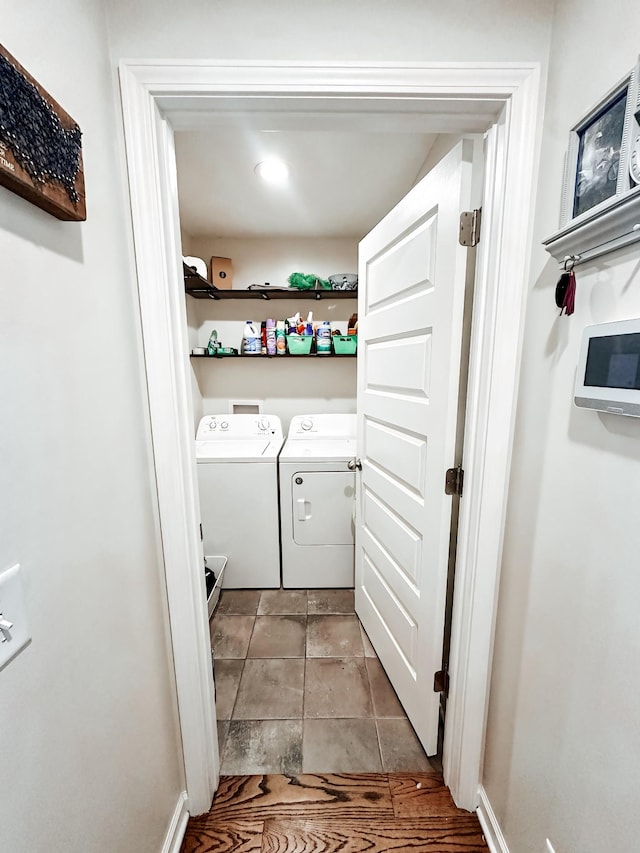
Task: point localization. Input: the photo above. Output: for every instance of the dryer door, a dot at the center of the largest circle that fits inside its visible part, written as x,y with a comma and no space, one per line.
322,507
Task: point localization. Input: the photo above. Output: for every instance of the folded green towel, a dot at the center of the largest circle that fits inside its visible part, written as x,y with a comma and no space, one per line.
307,281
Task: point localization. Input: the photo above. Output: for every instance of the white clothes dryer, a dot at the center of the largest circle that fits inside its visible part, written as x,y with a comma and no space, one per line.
237,458
317,493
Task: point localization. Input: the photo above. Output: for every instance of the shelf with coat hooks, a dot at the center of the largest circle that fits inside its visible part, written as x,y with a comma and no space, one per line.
200,288
596,234
571,261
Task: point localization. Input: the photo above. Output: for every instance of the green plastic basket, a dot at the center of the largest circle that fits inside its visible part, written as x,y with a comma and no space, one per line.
345,344
299,344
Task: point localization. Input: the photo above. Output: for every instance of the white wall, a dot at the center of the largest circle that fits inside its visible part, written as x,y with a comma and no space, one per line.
287,387
273,259
344,30
88,727
334,30
564,734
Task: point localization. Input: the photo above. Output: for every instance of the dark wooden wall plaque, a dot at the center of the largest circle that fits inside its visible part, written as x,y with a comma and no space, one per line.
40,147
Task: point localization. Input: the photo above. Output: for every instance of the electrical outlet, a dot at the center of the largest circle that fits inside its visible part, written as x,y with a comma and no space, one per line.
14,634
550,847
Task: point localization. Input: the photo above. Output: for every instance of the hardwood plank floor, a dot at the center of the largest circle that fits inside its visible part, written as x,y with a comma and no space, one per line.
420,795
445,835
323,813
321,795
239,836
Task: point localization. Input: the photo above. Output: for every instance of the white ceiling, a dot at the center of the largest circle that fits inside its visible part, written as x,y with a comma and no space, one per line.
341,182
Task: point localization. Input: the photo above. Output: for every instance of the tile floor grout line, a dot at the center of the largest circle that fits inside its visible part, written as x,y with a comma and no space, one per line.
233,708
384,770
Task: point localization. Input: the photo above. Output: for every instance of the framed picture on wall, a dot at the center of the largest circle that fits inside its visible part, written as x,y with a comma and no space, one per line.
40,145
597,155
601,188
599,145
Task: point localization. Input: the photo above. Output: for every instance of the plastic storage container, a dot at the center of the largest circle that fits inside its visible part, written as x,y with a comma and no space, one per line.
299,344
213,572
345,344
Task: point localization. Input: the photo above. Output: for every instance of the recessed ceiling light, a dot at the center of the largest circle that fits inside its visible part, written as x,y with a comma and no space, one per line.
273,171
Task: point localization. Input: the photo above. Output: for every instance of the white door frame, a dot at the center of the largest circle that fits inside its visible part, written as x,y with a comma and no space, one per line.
160,95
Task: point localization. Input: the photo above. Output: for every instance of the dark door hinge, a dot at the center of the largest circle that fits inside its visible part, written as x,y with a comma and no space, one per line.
201,535
441,681
453,481
470,221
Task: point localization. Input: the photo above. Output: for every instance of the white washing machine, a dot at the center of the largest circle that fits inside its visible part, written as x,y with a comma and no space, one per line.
317,491
237,458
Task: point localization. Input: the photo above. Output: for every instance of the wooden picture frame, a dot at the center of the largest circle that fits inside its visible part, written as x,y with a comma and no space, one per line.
40,145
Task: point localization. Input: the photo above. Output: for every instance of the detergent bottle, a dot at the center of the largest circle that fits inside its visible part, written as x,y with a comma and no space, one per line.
251,339
323,338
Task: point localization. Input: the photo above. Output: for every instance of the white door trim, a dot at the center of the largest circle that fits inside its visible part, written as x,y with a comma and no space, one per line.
179,89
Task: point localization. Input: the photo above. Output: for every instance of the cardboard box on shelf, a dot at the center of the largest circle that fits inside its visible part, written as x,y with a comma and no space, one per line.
221,270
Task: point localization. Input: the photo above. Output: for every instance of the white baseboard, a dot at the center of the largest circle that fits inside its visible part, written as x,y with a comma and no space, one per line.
490,826
177,826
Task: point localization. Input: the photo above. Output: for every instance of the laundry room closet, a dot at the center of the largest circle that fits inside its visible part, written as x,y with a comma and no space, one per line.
298,685
286,386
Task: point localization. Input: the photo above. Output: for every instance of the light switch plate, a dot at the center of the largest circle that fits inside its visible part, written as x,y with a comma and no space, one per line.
12,609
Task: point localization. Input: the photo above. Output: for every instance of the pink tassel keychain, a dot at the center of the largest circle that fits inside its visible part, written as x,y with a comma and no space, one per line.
566,289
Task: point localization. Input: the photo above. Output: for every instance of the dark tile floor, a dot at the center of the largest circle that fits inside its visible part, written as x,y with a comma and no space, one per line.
299,688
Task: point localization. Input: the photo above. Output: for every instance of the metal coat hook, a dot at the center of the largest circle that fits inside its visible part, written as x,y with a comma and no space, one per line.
570,261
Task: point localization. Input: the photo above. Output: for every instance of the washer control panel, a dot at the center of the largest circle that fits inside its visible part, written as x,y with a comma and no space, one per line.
323,426
219,427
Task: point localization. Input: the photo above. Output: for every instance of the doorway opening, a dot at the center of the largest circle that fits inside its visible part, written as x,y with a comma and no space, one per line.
159,98
423,277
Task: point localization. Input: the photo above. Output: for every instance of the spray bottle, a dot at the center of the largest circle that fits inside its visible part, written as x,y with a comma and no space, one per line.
271,337
309,324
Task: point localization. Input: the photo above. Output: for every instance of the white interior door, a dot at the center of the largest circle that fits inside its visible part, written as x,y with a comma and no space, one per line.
412,279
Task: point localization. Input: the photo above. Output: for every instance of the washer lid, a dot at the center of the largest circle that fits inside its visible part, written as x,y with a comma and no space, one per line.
237,451
299,450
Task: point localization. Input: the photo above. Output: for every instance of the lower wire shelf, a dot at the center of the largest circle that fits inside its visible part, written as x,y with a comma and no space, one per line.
256,357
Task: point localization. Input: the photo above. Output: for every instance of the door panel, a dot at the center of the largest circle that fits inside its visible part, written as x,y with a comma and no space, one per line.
397,452
406,267
411,356
413,275
400,625
402,543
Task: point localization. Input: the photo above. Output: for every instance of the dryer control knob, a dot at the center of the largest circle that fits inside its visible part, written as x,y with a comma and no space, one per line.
224,425
306,424
263,423
213,424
